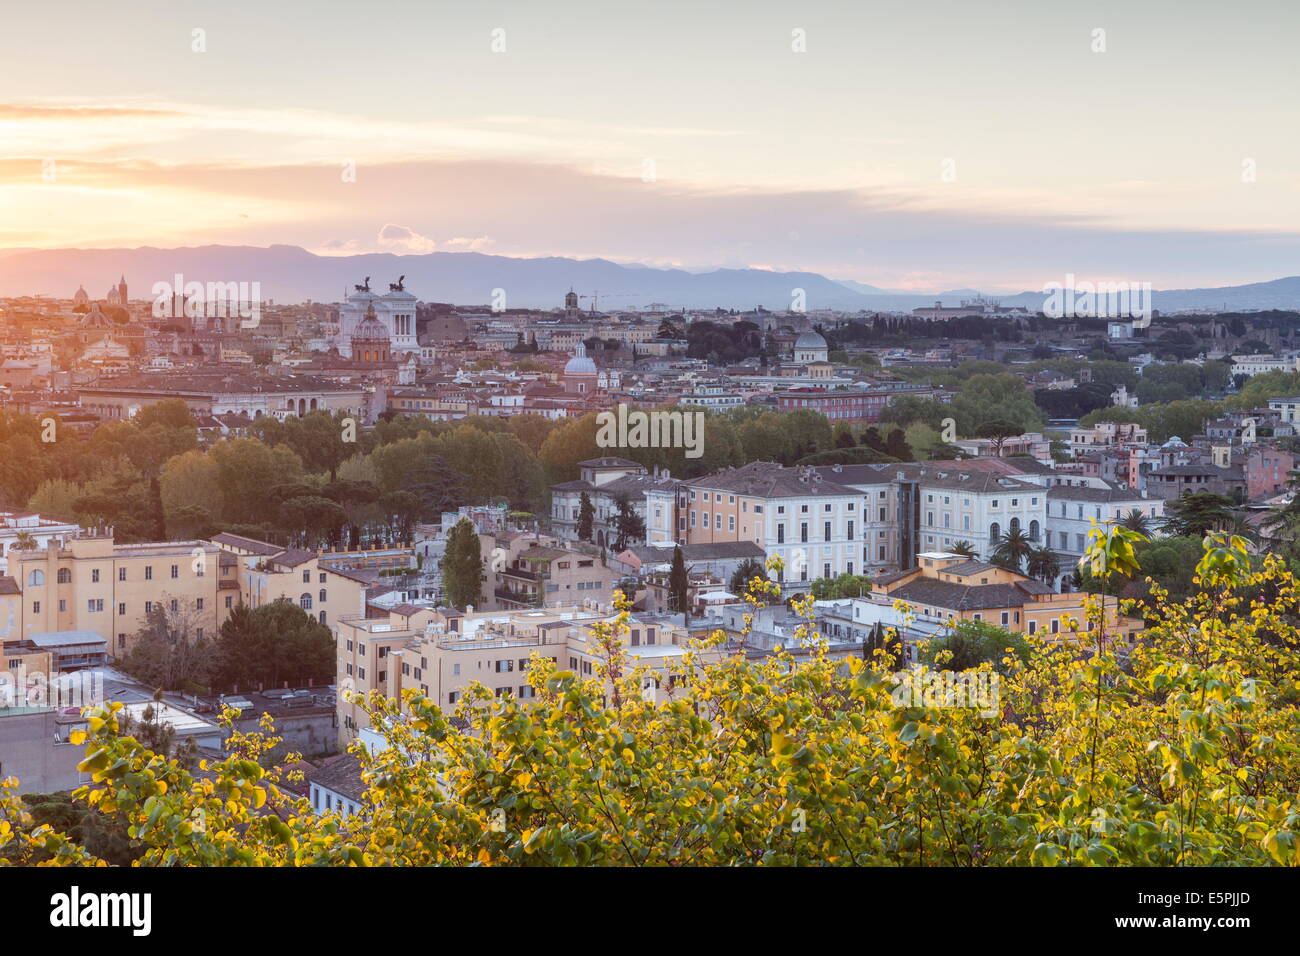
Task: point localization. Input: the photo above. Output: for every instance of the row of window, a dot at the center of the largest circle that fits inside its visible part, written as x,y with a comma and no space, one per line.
96,605
64,576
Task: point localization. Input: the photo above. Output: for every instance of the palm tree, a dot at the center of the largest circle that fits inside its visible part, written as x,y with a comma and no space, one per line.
24,542
964,548
1135,520
1042,563
1011,549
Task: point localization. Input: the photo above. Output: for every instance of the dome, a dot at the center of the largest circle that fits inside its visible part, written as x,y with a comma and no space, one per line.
580,364
81,297
810,340
370,328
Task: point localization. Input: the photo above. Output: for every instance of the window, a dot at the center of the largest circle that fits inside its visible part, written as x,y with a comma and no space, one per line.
36,607
304,602
176,570
121,574
121,610
230,601
198,604
306,577
64,576
321,597
95,604
826,531
803,531
175,605
36,579
148,572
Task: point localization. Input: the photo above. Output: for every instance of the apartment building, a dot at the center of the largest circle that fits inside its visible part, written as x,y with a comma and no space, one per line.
523,570
90,583
1031,444
950,588
1072,509
1105,435
606,482
811,522
925,507
442,652
256,572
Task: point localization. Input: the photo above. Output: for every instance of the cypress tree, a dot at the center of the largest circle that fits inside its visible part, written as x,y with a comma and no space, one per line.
679,585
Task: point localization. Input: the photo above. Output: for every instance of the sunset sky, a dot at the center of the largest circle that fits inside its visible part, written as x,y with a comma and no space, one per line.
1124,164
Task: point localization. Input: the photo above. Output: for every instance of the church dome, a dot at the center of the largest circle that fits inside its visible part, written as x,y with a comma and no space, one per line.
370,329
810,340
80,297
580,364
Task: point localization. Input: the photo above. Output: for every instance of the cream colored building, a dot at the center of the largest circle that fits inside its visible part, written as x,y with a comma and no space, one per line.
443,652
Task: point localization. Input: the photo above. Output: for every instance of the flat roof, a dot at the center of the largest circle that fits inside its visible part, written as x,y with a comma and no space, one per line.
66,638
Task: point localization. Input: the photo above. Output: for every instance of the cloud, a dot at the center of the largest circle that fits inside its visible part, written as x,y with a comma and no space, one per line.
393,236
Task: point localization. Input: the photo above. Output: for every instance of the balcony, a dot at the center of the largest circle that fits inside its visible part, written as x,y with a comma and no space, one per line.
523,575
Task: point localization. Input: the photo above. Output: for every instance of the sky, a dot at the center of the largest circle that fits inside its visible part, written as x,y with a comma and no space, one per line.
912,145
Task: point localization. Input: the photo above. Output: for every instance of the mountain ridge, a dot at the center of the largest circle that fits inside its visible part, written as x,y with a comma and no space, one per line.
289,273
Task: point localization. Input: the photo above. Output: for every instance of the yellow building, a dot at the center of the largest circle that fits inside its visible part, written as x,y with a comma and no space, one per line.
265,572
952,587
90,583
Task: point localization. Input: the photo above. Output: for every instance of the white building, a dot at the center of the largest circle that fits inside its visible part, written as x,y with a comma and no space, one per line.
1072,509
1259,364
395,310
14,525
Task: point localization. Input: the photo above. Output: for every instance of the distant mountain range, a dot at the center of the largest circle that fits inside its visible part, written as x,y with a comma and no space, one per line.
292,274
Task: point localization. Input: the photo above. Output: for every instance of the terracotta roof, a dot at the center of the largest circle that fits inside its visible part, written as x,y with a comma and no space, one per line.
246,544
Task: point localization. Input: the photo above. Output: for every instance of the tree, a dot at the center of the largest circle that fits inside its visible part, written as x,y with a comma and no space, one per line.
168,652
972,643
998,431
462,566
1196,514
271,644
964,548
1041,563
884,645
1011,549
629,525
896,445
1135,520
844,586
1161,735
586,515
744,574
679,584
